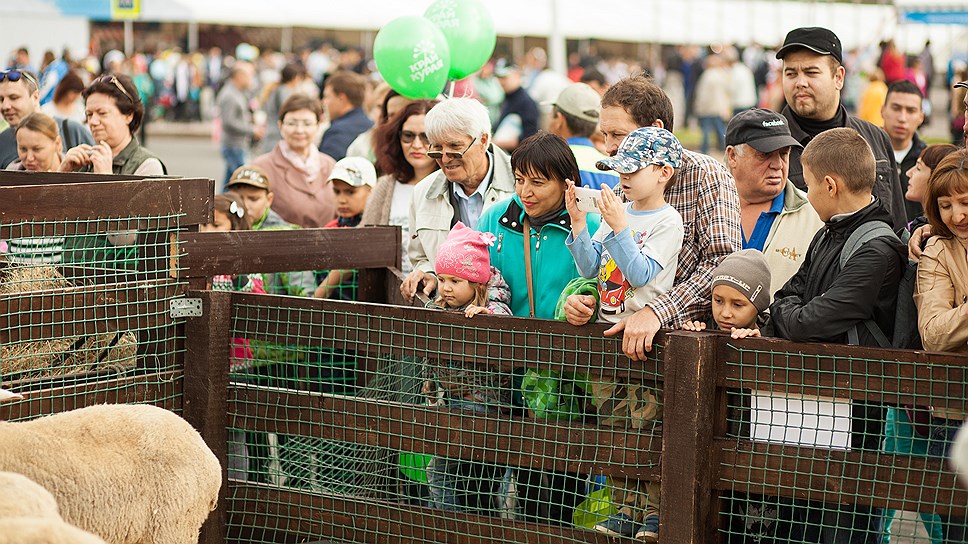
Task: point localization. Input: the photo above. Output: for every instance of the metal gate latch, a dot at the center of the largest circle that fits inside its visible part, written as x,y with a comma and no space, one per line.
185,307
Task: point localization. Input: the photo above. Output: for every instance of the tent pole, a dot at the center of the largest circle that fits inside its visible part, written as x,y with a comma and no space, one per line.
285,40
128,37
192,36
557,48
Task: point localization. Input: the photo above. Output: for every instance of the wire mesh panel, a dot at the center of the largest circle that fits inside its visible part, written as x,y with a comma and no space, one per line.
85,289
358,422
841,443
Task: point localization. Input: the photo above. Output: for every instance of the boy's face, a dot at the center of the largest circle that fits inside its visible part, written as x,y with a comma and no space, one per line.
645,184
350,200
256,200
731,309
818,195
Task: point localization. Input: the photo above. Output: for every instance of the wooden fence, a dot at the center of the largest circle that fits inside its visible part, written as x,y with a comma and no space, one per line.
694,453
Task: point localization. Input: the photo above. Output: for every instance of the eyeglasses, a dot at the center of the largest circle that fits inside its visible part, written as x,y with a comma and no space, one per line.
299,124
15,75
452,155
112,79
408,136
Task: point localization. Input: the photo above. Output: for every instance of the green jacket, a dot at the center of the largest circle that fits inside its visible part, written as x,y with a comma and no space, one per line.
552,265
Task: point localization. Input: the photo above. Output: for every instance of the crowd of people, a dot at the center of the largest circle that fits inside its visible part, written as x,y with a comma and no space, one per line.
573,199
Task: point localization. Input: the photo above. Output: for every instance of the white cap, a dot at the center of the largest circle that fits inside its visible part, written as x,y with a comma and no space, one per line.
356,171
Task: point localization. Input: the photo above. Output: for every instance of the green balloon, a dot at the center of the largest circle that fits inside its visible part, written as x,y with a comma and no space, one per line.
469,29
412,55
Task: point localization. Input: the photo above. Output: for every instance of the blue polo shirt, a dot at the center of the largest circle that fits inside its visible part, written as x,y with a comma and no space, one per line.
764,223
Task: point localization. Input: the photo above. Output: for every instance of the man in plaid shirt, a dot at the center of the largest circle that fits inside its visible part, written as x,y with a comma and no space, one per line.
704,194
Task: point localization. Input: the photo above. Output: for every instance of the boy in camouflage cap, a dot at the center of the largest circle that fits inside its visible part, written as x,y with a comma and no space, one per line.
634,255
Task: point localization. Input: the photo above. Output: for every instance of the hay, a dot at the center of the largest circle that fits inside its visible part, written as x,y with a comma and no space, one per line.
59,356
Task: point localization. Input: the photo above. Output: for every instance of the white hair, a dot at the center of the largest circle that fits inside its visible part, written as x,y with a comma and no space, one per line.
461,115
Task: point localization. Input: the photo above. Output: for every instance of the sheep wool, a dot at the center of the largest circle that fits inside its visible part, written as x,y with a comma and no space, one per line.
127,473
43,531
21,497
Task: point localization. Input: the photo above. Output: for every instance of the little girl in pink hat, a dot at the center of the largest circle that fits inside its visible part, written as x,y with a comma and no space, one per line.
466,280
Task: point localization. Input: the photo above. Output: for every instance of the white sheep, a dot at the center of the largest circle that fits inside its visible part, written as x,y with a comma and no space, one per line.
43,531
132,474
28,515
21,497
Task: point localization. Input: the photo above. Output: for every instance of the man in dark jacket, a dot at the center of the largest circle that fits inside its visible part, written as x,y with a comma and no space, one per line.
519,113
343,95
823,302
903,114
813,76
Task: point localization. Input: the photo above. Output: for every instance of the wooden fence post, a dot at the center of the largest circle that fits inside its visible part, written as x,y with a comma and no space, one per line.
206,392
687,513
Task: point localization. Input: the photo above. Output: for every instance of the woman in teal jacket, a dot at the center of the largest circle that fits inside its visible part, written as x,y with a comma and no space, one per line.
541,164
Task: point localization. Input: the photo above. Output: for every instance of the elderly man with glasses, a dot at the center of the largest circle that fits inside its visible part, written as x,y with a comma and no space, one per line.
473,175
19,97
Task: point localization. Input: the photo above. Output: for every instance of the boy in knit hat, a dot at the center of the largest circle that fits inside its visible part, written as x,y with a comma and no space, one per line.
740,294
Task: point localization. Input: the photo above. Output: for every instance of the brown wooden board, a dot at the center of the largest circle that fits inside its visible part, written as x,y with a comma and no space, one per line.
688,461
206,387
375,329
161,389
58,207
893,481
82,311
355,519
23,177
447,433
238,252
854,372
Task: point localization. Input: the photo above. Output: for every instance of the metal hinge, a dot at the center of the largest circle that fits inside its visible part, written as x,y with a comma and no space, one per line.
185,307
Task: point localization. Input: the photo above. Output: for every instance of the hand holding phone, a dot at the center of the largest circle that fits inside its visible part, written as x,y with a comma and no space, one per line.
588,199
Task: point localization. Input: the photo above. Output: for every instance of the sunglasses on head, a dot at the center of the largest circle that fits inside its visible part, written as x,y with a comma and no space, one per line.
15,75
453,155
407,137
112,79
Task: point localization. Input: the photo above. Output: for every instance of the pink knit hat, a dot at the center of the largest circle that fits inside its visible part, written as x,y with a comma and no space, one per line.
465,254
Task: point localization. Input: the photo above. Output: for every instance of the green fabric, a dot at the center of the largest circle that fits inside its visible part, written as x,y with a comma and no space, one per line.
596,508
551,397
577,286
96,251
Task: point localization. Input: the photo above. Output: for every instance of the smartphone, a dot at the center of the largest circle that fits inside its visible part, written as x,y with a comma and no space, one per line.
588,199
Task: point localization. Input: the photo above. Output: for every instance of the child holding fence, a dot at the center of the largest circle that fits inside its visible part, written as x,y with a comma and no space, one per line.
467,283
230,214
634,259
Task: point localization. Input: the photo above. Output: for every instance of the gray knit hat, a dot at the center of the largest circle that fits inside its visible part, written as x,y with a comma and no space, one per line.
747,272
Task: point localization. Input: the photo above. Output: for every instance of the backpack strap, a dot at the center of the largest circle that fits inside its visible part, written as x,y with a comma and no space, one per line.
863,234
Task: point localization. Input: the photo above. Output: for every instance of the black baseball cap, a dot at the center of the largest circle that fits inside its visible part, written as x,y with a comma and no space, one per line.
817,39
763,130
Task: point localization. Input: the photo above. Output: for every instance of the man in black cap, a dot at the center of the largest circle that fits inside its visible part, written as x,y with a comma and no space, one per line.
813,76
777,219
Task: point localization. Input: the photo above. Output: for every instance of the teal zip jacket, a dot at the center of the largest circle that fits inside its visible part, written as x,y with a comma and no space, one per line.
552,265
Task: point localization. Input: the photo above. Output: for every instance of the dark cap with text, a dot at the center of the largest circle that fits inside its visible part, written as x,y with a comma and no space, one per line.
763,130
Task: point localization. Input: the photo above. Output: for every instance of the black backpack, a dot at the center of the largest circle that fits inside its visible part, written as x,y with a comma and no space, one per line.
906,335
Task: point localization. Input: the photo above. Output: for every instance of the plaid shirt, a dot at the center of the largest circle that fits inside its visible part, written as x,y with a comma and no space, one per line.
704,194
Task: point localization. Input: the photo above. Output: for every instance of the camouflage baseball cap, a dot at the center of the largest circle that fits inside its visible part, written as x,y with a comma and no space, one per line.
644,146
